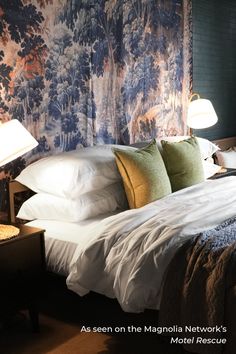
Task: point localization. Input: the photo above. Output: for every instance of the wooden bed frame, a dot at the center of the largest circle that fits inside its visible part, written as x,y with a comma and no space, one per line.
16,187
225,143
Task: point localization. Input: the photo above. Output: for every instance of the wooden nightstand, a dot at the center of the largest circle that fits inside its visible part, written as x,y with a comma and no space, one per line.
22,267
228,172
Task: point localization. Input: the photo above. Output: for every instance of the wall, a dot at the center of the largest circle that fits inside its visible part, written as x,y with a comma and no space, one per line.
214,61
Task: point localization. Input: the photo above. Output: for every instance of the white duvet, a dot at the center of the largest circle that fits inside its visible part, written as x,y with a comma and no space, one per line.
126,255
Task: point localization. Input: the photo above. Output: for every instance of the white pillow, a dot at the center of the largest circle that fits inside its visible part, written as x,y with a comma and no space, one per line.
227,158
207,147
72,173
88,205
210,169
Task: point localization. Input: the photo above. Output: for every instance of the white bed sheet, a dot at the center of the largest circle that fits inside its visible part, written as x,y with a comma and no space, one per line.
125,256
62,239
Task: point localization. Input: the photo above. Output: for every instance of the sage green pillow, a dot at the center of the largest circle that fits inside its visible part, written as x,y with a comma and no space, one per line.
144,174
183,163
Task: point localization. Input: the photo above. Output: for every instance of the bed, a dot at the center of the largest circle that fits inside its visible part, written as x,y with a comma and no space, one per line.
126,254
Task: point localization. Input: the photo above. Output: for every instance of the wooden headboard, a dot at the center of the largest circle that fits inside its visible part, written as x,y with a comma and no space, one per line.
14,188
225,143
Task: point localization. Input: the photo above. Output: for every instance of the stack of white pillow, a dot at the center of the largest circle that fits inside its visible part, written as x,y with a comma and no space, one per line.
73,186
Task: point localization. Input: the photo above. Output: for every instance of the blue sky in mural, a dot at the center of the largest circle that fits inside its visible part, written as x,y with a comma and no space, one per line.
79,73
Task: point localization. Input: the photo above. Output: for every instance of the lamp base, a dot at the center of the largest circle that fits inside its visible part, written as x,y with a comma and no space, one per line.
7,232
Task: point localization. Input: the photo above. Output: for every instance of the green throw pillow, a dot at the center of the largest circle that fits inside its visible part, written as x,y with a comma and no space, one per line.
144,174
183,163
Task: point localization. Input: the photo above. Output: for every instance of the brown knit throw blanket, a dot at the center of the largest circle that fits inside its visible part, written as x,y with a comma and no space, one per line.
199,292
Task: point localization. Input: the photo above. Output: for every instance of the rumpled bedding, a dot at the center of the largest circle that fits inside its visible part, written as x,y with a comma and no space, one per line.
126,256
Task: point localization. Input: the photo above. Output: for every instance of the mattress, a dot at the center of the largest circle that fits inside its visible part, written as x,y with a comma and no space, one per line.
62,239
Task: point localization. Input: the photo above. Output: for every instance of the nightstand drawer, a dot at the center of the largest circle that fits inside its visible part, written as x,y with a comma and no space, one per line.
22,257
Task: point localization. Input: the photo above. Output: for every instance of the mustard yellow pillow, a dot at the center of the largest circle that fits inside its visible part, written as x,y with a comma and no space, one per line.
144,174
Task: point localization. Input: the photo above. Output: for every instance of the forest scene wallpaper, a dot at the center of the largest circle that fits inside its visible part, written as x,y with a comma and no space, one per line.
86,72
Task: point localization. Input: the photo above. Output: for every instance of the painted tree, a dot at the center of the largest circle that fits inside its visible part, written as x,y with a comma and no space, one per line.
20,24
71,105
27,98
98,26
146,29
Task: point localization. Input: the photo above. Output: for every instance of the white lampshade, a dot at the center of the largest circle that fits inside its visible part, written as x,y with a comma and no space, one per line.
201,114
15,141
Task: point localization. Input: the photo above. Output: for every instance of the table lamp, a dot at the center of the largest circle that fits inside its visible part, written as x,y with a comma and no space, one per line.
15,141
201,113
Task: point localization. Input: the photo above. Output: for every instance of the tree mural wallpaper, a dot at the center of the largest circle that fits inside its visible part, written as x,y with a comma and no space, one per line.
86,72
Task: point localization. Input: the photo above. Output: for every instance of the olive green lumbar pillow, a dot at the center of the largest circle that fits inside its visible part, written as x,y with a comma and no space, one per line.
183,163
144,174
